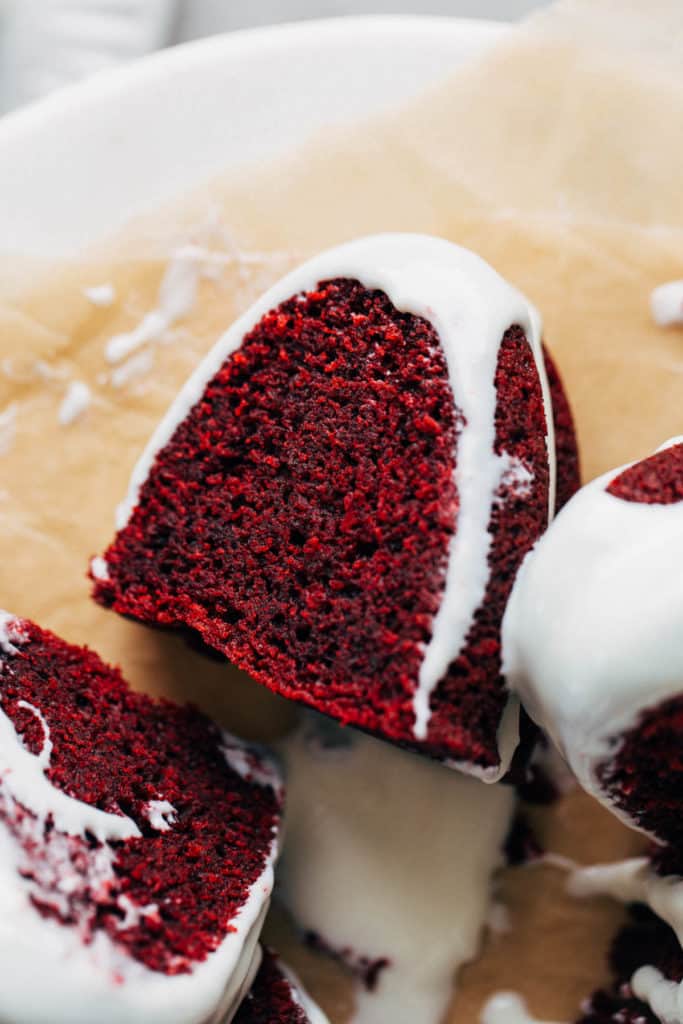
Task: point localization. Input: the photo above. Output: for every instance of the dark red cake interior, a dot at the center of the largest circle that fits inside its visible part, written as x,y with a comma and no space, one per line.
469,701
270,999
657,480
118,750
300,518
645,778
566,449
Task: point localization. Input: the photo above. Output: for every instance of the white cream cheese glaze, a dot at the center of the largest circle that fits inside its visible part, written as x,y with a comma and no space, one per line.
593,631
79,981
470,306
389,855
633,881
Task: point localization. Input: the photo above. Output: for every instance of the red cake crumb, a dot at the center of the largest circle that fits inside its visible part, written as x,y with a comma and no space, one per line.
645,779
270,1000
657,480
299,520
118,750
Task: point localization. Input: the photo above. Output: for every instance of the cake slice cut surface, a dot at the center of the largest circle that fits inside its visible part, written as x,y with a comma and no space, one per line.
341,495
137,843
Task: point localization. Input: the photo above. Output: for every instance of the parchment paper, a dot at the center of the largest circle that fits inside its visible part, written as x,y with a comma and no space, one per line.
557,158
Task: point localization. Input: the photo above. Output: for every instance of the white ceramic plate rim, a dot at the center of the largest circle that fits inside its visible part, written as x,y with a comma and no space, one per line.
76,166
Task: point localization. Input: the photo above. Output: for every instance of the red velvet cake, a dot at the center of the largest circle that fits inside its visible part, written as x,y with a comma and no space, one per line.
594,641
276,997
137,843
339,499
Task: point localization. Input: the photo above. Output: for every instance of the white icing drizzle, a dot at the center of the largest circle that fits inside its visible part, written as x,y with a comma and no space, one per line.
75,402
592,631
507,1008
161,814
99,568
470,307
666,304
664,997
633,881
367,819
23,777
8,428
89,977
101,295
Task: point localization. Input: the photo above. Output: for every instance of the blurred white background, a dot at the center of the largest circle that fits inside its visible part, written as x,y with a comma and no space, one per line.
48,43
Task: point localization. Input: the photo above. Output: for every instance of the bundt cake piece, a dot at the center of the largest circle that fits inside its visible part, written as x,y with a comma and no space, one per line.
593,640
277,997
387,865
340,496
137,843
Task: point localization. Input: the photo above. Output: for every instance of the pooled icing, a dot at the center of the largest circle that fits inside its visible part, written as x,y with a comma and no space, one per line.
470,307
592,630
86,977
366,821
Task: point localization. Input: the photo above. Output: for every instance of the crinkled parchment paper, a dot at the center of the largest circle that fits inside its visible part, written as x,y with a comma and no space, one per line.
557,157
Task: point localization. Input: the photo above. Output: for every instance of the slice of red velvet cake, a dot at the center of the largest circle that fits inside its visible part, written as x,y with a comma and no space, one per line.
594,641
277,997
137,843
341,495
